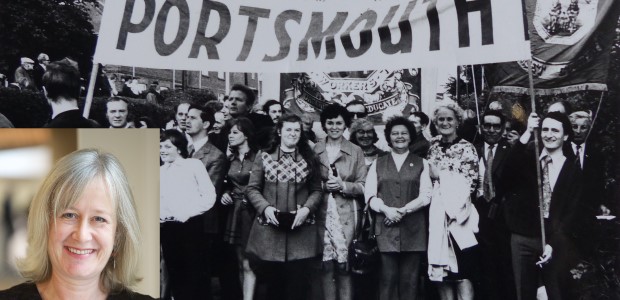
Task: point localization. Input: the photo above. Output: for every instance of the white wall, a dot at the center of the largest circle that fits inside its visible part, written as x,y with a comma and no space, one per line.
138,151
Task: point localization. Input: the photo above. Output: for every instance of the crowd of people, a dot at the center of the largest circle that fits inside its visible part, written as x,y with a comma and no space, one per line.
59,82
270,207
275,213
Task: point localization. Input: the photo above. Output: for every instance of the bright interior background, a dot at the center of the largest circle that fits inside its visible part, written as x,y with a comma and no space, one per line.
26,155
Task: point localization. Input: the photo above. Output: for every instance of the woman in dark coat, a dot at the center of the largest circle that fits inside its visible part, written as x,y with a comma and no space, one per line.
285,190
240,218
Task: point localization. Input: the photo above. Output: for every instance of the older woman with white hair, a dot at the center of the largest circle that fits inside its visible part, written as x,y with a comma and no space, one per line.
453,220
83,233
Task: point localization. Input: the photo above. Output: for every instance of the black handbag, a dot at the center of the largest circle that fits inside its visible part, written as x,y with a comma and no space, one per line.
364,252
285,219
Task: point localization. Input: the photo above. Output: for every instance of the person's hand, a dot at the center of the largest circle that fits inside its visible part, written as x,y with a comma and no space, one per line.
532,122
270,215
546,256
604,211
334,183
512,137
226,199
300,217
405,210
433,171
392,215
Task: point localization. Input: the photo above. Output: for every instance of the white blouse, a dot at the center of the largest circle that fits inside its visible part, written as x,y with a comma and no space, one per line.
185,190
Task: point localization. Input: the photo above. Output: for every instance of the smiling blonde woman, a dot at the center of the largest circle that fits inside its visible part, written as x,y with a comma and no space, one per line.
83,233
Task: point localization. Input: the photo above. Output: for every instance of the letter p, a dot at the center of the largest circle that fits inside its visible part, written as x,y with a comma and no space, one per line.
127,26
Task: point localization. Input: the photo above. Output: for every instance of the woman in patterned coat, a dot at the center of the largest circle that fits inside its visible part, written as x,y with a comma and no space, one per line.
285,190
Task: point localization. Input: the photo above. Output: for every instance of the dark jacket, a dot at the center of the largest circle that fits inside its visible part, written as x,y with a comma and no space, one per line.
71,119
519,186
499,161
420,146
28,291
217,165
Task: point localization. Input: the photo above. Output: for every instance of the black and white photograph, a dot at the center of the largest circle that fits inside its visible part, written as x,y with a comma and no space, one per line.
339,150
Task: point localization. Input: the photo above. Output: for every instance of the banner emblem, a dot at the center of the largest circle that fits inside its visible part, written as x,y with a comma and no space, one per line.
564,22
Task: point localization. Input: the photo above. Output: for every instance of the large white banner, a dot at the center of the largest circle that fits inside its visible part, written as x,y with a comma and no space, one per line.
304,35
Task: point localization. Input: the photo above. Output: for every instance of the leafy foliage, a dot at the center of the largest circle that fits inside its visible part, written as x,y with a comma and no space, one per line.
58,28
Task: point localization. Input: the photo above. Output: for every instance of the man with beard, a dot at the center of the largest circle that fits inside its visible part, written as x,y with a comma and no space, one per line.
497,280
561,186
273,108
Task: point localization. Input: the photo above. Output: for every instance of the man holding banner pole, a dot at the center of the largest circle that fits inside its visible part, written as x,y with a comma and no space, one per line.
561,189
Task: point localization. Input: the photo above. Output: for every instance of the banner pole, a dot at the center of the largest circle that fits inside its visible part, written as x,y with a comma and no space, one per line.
458,76
598,109
537,156
91,90
473,77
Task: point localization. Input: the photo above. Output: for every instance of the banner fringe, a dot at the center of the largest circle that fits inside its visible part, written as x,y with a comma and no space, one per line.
551,91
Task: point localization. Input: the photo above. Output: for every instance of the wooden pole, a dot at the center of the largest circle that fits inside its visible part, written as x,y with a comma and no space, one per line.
91,90
458,76
537,156
473,78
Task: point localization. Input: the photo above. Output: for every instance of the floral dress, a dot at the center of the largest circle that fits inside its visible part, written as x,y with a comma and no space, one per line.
456,157
459,156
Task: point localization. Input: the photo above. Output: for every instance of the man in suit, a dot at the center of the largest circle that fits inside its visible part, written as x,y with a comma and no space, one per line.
420,144
590,162
39,69
593,199
496,280
24,75
61,87
561,186
218,255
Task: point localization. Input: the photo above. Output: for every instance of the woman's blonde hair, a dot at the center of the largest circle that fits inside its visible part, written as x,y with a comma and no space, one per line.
61,189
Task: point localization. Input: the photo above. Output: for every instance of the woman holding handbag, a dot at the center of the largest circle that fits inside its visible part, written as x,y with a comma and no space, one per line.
398,188
343,173
285,190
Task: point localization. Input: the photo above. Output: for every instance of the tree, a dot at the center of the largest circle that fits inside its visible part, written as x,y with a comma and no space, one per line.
58,28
